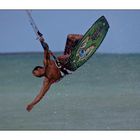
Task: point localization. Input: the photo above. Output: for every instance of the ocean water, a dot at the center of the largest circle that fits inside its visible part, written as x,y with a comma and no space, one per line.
103,94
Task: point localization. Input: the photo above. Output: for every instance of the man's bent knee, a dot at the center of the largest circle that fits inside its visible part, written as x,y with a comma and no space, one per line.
74,36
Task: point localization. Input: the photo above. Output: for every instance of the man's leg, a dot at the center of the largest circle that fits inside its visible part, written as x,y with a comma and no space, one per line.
72,40
74,36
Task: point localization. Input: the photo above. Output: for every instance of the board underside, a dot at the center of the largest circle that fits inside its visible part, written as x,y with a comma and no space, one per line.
88,45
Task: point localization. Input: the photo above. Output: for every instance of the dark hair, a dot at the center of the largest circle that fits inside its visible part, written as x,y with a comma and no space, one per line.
37,67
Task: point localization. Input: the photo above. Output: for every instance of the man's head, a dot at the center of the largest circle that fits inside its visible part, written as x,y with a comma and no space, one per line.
38,71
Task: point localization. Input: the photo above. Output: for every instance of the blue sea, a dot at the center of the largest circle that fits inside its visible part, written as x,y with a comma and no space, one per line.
103,94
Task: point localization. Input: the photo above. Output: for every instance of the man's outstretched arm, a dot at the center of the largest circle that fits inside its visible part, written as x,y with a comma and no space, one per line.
46,51
43,91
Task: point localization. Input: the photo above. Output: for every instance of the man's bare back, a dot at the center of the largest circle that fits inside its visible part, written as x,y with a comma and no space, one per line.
52,72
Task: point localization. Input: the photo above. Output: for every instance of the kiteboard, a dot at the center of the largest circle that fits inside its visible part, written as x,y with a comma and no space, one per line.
88,45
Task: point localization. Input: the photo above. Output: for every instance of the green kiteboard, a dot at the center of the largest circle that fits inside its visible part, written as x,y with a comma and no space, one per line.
88,45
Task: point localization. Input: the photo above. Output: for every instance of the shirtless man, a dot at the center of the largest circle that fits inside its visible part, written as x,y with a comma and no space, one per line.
50,71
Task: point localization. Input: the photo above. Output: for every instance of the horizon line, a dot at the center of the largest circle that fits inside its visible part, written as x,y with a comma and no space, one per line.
5,53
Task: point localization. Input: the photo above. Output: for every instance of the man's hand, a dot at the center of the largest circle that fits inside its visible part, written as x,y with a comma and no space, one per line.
41,39
40,34
29,107
45,87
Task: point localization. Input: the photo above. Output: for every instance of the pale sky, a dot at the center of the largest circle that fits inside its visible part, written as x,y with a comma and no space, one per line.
17,34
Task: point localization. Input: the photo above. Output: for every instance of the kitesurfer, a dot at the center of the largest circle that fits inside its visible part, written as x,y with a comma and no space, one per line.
52,71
